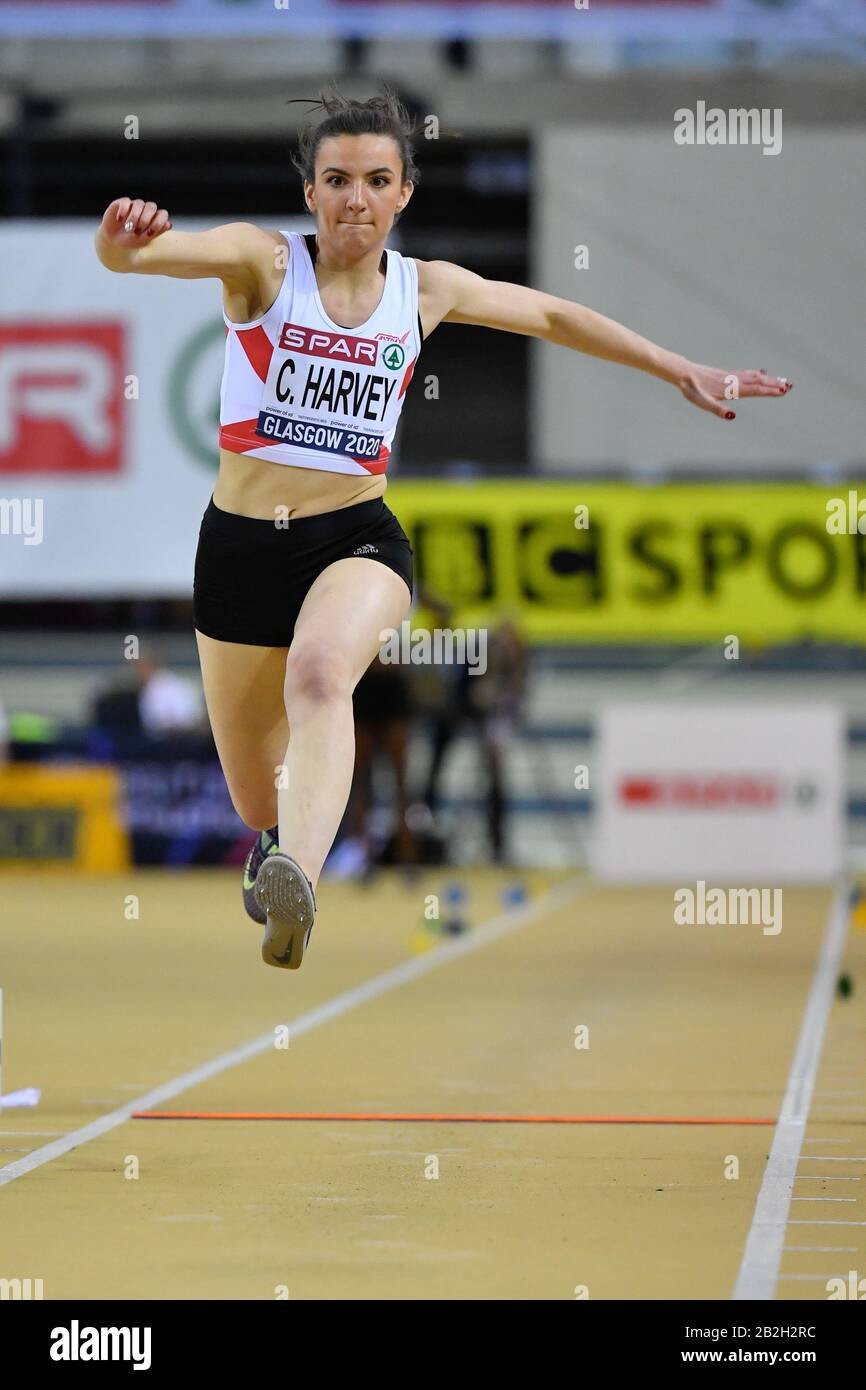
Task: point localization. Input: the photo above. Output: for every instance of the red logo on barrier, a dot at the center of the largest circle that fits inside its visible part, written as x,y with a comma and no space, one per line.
692,791
61,395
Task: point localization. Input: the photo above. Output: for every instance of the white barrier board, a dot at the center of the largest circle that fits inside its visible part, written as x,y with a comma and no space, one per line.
735,791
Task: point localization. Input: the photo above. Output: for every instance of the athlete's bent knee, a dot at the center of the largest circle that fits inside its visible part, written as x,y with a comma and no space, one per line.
314,676
257,814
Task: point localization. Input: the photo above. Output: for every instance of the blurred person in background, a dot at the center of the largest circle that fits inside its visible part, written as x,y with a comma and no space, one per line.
488,704
168,703
384,712
151,699
385,709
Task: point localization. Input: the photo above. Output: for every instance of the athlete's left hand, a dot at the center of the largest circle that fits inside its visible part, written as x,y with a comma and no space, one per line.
715,390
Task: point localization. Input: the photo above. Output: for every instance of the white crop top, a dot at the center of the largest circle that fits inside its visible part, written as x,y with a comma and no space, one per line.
299,389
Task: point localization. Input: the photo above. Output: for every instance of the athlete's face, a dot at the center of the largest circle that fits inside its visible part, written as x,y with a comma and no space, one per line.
357,191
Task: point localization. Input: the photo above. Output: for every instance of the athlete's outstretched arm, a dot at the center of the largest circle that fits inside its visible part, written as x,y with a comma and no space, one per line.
233,253
469,298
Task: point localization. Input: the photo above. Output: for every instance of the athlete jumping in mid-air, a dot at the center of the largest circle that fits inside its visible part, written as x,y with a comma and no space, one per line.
300,564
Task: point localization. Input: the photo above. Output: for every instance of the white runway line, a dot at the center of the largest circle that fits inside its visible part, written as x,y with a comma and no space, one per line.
810,1278
823,1221
499,926
759,1270
832,1158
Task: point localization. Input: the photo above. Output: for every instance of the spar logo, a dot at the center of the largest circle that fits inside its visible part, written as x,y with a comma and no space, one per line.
393,354
317,342
695,791
61,397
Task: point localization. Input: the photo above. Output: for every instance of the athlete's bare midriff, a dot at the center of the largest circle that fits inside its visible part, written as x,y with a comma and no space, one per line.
255,487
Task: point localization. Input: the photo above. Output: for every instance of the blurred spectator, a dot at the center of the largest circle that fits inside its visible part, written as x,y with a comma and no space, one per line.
115,708
384,707
150,699
490,706
168,703
383,714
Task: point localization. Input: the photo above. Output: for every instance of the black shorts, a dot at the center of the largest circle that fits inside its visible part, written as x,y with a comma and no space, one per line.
252,576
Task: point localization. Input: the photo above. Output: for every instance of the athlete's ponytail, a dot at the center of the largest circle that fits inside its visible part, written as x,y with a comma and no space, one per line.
380,115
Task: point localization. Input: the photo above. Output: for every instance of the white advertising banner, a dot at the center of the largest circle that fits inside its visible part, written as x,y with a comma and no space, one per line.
109,410
744,792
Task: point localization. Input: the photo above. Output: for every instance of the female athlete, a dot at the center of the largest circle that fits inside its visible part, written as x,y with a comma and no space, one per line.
301,566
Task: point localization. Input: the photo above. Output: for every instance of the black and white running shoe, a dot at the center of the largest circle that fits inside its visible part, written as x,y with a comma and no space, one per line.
285,895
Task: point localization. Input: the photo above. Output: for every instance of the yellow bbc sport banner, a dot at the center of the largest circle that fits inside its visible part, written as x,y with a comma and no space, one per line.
606,562
63,818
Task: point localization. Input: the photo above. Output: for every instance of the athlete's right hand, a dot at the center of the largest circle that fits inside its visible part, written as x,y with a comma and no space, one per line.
130,222
130,238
